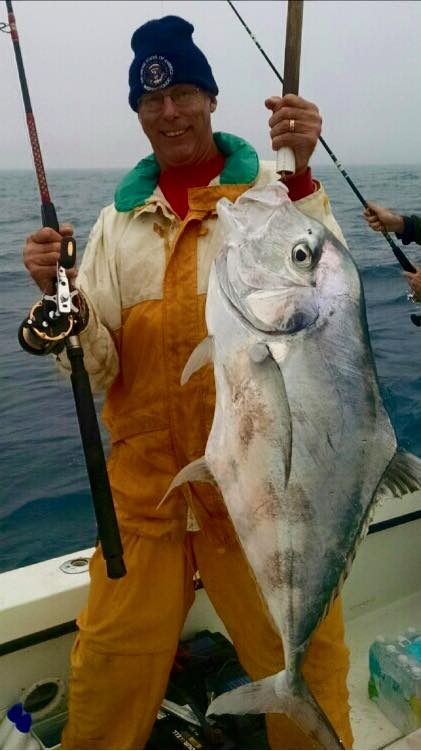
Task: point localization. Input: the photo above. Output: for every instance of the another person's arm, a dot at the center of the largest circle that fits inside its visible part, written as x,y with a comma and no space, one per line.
381,219
406,228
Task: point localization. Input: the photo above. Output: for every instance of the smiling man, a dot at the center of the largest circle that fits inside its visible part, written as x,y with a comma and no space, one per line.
144,277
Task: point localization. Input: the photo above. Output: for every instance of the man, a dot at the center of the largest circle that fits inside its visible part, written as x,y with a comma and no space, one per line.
144,276
407,229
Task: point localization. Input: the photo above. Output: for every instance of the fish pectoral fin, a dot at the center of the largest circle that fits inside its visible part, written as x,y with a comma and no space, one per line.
201,356
402,476
197,471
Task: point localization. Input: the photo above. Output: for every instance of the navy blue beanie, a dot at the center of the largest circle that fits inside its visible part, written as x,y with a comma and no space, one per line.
164,55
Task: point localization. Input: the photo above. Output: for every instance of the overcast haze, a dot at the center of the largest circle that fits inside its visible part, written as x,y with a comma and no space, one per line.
360,63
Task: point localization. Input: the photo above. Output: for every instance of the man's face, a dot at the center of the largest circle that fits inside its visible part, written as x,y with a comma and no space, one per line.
177,122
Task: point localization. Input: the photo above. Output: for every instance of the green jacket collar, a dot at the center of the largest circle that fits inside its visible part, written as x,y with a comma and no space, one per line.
241,166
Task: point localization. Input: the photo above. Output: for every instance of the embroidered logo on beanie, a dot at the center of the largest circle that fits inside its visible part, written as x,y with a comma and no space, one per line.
156,72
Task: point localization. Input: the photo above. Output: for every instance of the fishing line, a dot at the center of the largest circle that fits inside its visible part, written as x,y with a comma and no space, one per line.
399,254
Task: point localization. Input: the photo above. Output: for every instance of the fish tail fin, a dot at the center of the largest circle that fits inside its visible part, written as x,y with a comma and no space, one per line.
275,694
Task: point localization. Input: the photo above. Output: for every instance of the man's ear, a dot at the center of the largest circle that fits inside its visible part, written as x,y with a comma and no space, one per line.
213,103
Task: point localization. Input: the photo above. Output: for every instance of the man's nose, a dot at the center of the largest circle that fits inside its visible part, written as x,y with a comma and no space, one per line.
169,108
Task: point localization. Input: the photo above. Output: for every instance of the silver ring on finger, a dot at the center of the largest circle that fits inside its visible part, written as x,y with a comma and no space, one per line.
292,126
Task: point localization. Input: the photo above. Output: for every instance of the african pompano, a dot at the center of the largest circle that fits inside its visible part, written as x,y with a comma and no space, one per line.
301,445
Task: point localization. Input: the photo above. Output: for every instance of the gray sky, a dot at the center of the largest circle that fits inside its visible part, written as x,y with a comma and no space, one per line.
361,64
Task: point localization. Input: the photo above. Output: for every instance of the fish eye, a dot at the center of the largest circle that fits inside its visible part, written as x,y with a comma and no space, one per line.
302,256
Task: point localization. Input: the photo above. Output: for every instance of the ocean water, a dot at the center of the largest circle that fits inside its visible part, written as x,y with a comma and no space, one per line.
45,507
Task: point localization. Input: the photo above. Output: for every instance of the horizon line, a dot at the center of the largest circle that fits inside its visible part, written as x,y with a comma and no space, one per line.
123,167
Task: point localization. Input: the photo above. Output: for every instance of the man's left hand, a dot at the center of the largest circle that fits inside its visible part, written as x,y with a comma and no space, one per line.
296,123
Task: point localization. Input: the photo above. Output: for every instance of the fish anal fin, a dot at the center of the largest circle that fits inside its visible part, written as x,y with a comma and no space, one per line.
402,476
201,356
196,471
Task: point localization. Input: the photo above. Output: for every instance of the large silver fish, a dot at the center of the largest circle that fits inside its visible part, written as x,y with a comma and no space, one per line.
301,445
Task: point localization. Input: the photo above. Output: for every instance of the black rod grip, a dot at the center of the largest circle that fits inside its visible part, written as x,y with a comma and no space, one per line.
108,531
49,216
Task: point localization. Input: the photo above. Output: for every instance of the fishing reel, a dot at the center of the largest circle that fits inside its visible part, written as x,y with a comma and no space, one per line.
54,318
415,318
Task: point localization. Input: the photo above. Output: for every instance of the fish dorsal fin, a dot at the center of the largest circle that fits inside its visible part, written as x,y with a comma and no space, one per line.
201,355
402,476
197,471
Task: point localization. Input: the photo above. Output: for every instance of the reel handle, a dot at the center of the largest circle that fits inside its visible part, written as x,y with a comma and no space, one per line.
67,252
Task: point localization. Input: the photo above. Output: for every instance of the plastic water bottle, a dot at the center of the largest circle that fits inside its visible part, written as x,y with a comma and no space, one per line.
380,639
412,633
8,721
390,661
374,655
416,675
414,649
18,736
398,681
407,678
403,641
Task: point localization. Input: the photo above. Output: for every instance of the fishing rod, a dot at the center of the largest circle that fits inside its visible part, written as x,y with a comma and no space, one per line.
285,157
399,254
54,324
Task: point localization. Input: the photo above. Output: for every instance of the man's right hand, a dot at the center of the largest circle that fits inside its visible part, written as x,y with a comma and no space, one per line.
41,253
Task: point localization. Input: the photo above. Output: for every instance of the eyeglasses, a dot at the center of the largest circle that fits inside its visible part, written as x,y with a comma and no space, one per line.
183,97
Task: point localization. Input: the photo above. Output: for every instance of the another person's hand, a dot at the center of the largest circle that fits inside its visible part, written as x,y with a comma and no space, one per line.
296,123
41,253
414,281
379,218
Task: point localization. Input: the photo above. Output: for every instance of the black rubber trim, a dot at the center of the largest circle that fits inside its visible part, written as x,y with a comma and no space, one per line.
38,637
396,521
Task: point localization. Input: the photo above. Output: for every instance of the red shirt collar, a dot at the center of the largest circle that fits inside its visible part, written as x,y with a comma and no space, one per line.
176,181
